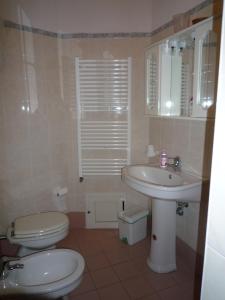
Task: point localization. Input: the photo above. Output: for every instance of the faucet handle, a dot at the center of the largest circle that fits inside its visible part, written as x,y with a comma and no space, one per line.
177,161
5,265
14,266
4,260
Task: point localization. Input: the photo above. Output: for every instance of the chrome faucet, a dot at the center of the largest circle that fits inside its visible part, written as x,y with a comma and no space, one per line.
6,266
176,163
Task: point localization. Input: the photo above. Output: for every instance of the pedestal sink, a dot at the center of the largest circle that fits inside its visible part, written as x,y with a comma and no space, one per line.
165,187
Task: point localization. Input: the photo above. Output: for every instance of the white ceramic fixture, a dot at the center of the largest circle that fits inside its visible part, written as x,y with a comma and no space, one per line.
49,274
165,186
38,231
163,183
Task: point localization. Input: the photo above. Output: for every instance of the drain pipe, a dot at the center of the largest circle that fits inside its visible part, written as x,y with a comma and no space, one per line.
180,208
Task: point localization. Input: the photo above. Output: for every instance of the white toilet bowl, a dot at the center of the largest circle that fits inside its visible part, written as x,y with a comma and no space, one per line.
38,231
50,274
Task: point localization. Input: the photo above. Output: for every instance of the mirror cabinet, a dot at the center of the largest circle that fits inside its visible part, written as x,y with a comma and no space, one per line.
181,73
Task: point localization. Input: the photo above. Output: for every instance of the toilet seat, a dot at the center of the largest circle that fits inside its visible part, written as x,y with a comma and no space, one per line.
39,225
38,231
38,234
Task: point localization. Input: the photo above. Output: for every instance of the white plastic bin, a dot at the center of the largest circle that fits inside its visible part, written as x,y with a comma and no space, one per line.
133,224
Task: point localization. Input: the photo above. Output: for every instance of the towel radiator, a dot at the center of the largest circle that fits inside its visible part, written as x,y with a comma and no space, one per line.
103,92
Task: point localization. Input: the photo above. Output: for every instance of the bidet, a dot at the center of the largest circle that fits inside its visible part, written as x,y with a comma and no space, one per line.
49,274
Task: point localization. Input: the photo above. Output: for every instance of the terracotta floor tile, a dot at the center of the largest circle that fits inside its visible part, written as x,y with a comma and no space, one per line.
66,245
139,249
176,293
104,277
125,270
159,281
118,255
105,234
113,292
192,287
85,267
140,264
182,275
86,296
96,262
88,236
112,244
189,265
90,247
75,233
86,285
137,287
70,242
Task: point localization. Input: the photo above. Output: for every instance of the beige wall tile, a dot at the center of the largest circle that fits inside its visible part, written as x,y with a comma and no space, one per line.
40,146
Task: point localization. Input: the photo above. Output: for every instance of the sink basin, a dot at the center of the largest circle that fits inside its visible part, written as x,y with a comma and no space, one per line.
165,187
163,183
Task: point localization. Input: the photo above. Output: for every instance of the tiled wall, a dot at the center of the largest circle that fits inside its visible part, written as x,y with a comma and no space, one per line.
190,139
34,127
38,120
38,125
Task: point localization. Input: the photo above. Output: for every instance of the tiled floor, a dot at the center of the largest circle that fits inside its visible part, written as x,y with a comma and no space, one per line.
115,271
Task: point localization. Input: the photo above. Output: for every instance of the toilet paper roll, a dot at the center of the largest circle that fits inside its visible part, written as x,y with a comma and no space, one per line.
60,204
62,191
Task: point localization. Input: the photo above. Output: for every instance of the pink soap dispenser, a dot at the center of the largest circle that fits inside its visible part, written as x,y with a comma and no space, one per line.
163,159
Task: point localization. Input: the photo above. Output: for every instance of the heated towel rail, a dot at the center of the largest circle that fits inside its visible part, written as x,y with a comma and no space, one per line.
103,91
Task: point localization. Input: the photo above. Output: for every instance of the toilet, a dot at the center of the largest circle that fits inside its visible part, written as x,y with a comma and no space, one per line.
38,231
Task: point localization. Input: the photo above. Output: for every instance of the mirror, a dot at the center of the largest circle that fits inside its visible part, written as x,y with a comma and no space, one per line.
181,73
208,70
169,77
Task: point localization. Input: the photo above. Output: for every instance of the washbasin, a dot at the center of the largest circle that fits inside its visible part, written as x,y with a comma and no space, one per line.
163,183
166,187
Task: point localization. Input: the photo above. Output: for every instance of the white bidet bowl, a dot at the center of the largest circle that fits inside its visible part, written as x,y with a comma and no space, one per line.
50,274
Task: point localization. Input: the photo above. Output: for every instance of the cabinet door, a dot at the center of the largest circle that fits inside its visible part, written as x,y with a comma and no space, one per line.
204,71
181,73
152,80
169,78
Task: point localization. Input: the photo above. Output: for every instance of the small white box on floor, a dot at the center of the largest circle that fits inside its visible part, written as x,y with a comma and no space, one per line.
133,224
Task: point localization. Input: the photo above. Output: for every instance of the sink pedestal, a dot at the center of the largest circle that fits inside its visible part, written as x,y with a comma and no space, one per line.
162,257
165,187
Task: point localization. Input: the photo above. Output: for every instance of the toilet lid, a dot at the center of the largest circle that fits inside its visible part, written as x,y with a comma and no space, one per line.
40,223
